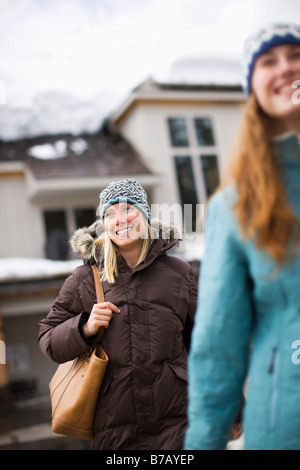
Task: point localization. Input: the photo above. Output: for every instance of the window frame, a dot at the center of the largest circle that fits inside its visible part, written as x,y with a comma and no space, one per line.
70,221
172,143
194,150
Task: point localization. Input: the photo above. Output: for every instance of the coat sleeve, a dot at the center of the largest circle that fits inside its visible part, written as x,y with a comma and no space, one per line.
219,353
59,336
193,292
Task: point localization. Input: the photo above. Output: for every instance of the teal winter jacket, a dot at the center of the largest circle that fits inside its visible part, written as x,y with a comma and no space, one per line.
247,326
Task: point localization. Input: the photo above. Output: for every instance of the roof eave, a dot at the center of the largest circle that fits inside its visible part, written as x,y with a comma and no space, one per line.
177,94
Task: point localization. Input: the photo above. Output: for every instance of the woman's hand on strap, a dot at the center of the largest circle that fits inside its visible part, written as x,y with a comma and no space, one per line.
101,315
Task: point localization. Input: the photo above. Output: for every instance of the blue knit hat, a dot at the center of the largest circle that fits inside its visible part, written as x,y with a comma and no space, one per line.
261,41
129,191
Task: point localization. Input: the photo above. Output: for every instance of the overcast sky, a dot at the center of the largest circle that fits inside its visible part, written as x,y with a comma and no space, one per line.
91,53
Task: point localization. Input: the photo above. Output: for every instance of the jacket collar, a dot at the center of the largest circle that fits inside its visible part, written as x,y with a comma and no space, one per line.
85,243
158,248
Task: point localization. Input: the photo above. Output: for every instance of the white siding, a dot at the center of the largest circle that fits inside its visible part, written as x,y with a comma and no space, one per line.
21,233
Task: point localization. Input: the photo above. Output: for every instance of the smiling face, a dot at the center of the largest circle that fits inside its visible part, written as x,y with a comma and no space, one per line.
274,73
125,224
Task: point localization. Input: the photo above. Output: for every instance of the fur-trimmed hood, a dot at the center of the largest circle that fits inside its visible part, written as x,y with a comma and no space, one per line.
85,241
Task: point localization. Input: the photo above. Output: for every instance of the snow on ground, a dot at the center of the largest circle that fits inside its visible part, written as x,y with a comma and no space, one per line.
35,268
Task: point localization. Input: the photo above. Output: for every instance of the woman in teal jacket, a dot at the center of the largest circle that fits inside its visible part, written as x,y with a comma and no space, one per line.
248,317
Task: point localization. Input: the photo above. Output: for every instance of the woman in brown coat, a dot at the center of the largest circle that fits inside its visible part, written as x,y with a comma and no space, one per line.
150,301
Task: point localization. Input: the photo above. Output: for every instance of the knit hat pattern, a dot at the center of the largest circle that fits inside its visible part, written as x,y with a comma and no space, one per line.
263,40
127,190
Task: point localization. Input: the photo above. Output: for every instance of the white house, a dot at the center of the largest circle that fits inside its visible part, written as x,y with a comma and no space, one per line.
185,134
173,138
49,186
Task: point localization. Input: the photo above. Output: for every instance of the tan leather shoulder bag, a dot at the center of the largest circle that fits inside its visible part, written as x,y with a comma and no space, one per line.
75,386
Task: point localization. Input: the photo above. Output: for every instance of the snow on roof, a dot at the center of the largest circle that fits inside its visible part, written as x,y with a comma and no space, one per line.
58,149
79,146
34,268
206,70
106,153
51,111
49,151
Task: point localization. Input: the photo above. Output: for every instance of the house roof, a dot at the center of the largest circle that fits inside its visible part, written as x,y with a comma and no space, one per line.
151,92
66,156
151,85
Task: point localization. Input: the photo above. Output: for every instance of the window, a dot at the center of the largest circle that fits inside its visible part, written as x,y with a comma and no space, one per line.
59,224
178,132
84,217
187,186
210,171
57,247
197,177
204,131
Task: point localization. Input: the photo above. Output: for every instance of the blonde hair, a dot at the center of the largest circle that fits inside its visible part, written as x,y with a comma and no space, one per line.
109,254
262,208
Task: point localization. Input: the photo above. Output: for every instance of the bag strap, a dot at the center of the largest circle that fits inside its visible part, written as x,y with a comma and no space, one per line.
100,296
98,285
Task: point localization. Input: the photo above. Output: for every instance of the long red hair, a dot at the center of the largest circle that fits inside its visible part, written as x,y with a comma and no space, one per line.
262,209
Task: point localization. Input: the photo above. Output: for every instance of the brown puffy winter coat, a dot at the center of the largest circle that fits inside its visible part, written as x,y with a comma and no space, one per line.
142,401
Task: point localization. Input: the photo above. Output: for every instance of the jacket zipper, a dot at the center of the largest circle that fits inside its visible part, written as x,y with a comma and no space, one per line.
274,370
